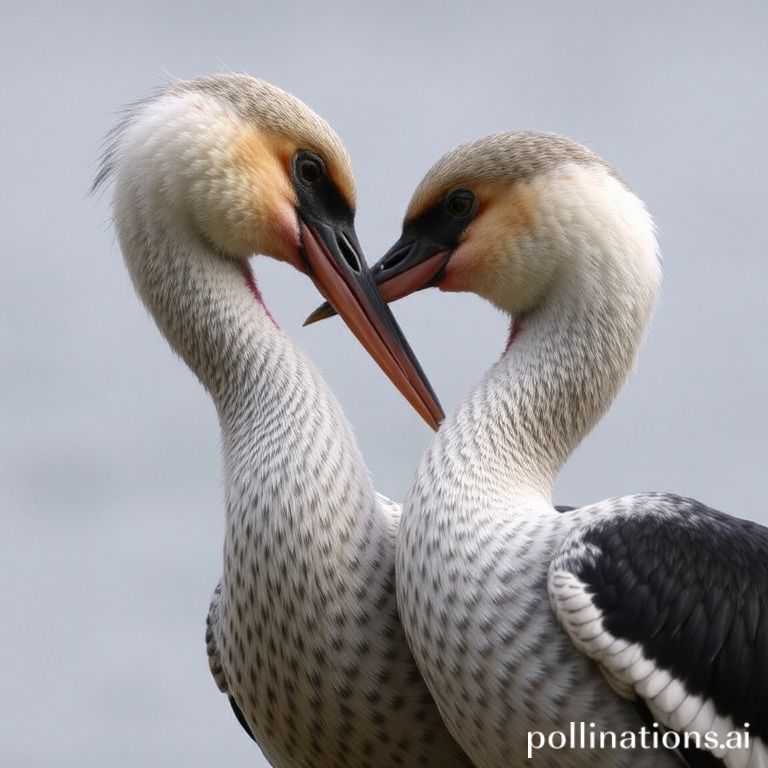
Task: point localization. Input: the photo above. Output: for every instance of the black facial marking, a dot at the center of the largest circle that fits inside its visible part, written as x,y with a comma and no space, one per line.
444,222
318,196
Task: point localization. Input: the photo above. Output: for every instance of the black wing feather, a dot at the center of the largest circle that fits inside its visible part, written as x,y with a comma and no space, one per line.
690,585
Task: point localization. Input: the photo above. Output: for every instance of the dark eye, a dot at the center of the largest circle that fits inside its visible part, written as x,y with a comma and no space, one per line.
309,167
460,203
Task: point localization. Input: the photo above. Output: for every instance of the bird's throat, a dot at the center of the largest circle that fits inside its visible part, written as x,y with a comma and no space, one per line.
253,287
560,370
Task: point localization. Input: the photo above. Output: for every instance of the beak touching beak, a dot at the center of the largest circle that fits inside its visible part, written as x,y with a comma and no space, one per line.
408,266
334,262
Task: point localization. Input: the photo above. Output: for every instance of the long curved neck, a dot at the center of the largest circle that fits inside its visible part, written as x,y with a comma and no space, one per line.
567,361
209,311
282,430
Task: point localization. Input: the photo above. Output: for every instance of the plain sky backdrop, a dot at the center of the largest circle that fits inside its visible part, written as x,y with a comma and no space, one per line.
111,515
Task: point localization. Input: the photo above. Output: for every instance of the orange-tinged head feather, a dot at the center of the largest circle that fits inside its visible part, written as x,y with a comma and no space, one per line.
229,141
505,213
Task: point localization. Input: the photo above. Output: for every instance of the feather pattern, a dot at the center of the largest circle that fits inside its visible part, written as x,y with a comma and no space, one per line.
669,597
303,631
481,548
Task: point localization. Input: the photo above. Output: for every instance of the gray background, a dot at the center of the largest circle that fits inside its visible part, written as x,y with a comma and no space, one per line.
110,493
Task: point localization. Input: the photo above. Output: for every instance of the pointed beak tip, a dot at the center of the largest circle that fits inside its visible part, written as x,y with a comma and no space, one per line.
323,312
437,420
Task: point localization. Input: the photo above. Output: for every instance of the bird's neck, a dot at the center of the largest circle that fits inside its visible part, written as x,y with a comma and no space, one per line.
282,430
564,364
209,309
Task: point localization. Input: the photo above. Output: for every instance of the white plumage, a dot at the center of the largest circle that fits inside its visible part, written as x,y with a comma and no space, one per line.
303,632
662,594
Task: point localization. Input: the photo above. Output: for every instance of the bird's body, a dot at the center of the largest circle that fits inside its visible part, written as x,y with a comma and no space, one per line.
477,538
303,631
306,626
508,604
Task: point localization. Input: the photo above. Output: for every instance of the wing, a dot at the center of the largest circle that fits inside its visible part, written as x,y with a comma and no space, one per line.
214,658
669,597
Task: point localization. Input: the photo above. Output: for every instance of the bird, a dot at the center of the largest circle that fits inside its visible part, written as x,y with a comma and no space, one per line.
303,633
648,610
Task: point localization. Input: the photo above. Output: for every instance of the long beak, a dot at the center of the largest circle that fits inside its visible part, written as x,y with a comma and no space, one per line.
409,265
335,264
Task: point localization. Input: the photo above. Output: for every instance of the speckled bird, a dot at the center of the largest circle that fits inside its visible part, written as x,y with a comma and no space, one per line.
303,633
642,609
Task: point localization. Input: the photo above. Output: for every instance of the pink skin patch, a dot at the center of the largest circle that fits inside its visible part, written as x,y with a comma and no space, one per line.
250,281
456,279
514,332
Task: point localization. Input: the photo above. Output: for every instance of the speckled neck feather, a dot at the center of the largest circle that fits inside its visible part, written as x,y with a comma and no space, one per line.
478,528
303,631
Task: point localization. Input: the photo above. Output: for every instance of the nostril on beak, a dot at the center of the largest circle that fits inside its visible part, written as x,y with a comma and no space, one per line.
394,258
349,254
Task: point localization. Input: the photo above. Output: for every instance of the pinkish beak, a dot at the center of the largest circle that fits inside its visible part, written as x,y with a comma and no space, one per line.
408,266
335,264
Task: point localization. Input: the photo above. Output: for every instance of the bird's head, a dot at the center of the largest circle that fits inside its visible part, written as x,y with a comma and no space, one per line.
511,217
241,167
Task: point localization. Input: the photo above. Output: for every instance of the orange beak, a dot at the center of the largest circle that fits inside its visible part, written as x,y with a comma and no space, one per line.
334,262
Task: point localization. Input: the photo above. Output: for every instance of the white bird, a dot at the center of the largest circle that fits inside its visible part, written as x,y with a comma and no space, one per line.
303,632
522,620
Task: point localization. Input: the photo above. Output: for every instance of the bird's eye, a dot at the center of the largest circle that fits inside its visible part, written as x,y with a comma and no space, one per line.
309,167
460,203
